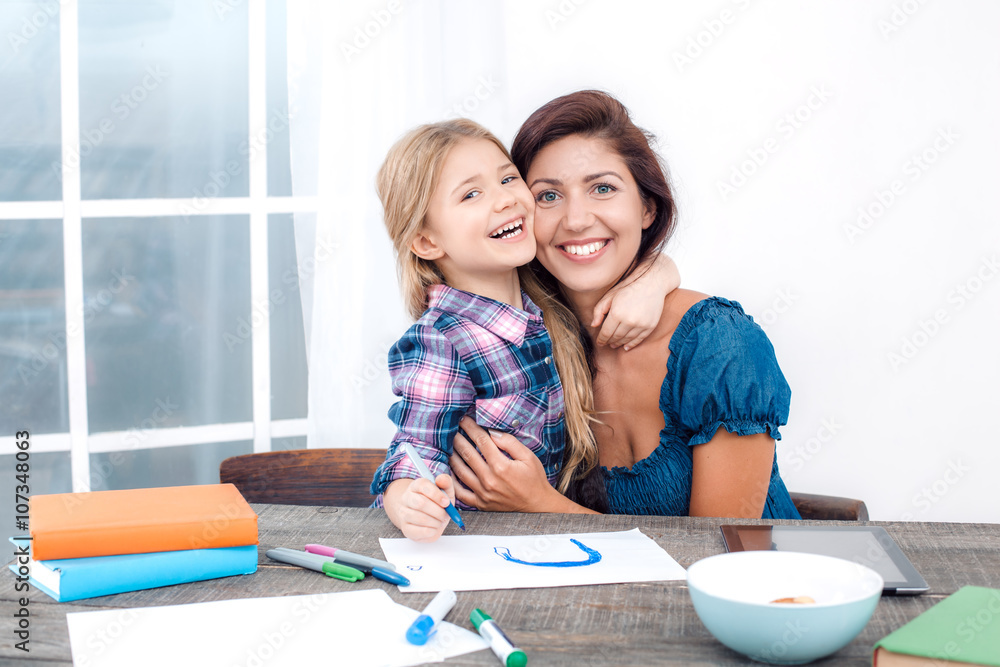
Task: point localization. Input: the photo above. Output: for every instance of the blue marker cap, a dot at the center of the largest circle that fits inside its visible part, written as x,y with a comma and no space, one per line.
421,630
389,576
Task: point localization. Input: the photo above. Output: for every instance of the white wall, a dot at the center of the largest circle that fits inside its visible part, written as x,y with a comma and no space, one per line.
890,83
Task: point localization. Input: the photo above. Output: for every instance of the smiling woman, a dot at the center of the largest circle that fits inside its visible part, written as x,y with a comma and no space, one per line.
687,421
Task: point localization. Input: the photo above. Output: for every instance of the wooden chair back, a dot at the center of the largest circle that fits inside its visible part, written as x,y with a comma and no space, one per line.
830,508
342,477
339,477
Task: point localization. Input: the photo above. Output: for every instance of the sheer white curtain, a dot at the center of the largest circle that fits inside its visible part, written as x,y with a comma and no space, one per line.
360,75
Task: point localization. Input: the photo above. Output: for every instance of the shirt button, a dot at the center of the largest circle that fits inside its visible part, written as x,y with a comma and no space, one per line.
548,360
516,423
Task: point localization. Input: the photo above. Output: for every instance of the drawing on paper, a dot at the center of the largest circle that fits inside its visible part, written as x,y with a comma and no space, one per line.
593,556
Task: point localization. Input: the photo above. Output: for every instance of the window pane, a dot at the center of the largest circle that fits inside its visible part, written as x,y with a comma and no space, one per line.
30,151
279,174
289,378
164,466
163,99
50,473
283,444
168,321
33,387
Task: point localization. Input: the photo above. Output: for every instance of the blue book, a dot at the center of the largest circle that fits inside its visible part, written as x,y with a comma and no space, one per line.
70,579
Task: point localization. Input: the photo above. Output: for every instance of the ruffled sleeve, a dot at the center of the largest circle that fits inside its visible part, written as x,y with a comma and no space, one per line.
725,374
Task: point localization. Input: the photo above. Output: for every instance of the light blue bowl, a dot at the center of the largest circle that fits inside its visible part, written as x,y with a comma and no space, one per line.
732,596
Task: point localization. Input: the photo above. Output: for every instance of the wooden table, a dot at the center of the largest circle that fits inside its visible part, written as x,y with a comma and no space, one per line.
622,624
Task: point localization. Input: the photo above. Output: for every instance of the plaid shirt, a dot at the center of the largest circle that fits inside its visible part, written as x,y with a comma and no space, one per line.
472,355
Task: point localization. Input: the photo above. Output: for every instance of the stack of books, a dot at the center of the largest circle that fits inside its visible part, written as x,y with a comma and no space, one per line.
84,545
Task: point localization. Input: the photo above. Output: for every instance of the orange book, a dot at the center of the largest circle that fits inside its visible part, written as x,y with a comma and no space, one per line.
134,521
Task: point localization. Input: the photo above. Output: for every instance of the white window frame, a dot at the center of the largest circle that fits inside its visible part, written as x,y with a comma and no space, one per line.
79,442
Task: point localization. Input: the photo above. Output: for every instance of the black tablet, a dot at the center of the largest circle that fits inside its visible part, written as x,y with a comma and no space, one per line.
867,545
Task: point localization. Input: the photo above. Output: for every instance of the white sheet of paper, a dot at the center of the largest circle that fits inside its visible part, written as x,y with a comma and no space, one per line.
355,628
469,562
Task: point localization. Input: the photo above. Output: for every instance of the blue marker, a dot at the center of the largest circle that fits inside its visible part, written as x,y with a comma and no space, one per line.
384,574
421,467
423,627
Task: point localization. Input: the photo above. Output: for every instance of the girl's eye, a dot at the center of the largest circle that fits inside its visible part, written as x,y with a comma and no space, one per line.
470,195
604,189
547,197
508,179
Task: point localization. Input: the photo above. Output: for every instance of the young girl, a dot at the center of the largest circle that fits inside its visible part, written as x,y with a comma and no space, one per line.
460,218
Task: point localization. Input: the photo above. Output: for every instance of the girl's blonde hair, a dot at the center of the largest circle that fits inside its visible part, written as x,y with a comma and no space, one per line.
405,183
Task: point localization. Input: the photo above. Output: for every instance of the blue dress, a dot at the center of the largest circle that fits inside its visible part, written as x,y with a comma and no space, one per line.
721,372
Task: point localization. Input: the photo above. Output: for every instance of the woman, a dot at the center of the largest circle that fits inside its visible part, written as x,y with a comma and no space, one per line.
706,379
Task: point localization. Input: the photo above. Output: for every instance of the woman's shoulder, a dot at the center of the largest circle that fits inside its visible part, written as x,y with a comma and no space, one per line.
722,364
703,318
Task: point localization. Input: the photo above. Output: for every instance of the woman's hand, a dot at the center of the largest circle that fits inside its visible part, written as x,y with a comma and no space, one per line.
497,482
416,506
633,308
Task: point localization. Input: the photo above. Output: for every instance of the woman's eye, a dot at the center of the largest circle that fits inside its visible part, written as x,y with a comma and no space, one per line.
604,189
547,197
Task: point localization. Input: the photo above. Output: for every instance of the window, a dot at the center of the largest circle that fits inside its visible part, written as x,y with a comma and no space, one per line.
150,322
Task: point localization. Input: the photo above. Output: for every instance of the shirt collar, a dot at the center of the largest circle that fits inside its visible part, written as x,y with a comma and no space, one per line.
498,318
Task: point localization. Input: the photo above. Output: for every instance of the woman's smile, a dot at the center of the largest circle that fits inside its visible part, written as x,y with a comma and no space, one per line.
583,250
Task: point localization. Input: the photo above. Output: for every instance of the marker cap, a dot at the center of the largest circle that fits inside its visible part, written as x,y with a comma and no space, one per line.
478,616
420,631
515,657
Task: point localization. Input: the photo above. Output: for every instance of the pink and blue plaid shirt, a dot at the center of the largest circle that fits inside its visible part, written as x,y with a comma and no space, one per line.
473,355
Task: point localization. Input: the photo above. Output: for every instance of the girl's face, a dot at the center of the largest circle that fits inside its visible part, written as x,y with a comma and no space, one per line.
589,214
479,223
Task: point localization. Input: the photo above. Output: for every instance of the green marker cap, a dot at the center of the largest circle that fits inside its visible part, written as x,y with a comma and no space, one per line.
344,572
517,657
478,616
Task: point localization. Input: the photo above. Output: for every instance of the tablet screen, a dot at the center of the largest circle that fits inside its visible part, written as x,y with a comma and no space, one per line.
860,547
871,546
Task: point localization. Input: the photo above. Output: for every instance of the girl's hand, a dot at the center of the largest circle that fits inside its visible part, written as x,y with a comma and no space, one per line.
502,475
633,308
416,506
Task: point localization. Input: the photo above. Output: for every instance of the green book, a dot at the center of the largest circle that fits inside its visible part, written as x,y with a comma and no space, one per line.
964,628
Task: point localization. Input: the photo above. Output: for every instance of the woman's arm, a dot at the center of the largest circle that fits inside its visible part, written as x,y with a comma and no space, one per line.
731,475
500,484
633,308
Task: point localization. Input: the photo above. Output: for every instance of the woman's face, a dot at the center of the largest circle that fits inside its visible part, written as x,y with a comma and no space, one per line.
589,214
